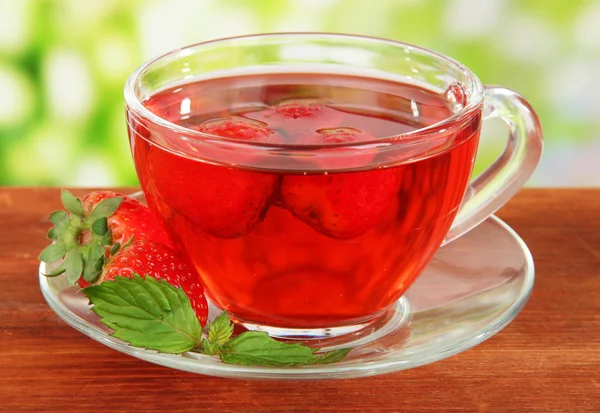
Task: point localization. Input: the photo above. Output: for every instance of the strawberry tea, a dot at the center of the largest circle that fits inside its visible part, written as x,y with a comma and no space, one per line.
312,247
310,178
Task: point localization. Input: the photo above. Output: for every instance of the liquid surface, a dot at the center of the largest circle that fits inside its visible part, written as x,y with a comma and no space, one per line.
296,106
299,250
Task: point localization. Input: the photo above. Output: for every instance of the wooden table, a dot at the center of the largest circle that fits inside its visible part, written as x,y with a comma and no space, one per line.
547,360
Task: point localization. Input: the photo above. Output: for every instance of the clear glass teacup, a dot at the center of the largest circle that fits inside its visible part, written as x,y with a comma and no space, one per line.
311,177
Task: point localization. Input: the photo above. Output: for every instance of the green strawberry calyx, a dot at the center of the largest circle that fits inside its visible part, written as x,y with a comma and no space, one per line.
79,240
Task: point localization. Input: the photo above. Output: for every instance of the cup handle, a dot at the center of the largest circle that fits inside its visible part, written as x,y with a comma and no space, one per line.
507,175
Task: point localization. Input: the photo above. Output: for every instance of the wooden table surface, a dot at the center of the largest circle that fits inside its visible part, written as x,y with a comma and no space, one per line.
547,360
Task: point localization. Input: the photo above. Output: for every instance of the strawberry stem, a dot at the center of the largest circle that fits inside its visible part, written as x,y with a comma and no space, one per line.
85,237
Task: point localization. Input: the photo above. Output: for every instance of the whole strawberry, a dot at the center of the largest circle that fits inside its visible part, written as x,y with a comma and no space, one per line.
109,234
151,259
83,235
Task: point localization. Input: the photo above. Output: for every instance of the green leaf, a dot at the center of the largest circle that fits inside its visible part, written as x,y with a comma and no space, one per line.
107,238
100,226
62,223
52,234
72,203
254,348
100,263
147,313
73,266
93,261
212,349
93,276
332,356
220,330
58,271
106,208
115,248
53,252
96,252
153,314
58,216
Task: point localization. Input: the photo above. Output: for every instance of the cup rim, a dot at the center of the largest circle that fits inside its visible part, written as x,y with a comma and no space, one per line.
135,104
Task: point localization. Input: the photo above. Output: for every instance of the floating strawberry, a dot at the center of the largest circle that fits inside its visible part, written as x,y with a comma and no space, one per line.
335,155
343,205
83,235
332,136
340,205
298,108
223,201
297,115
238,128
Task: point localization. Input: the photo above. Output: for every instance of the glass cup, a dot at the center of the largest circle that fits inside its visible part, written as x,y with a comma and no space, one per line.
271,244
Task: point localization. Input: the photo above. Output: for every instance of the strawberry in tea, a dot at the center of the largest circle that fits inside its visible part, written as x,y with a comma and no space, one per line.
311,245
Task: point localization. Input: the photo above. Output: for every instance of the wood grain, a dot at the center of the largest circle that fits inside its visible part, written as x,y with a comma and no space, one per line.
548,360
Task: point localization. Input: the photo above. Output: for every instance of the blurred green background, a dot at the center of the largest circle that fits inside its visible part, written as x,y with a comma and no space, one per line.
63,64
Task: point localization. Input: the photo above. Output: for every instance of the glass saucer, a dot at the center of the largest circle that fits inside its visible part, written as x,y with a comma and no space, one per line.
472,289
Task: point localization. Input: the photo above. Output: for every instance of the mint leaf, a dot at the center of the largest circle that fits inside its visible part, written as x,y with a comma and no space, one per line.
212,349
254,348
220,330
153,314
332,356
147,313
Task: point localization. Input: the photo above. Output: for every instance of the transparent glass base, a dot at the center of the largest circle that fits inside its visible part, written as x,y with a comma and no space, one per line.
472,289
394,317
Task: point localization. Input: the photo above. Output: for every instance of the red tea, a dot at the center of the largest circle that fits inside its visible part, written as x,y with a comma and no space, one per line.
307,246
